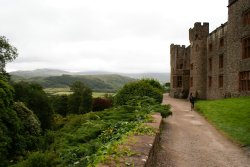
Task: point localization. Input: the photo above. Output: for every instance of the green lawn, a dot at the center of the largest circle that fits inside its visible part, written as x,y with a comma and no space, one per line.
232,116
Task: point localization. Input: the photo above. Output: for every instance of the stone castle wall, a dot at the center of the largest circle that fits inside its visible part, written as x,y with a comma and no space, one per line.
179,69
215,59
198,39
216,52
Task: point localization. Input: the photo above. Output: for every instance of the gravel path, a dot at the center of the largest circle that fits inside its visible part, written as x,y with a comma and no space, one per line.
187,140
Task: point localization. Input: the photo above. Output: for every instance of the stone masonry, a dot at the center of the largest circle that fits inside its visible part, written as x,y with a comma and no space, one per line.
217,64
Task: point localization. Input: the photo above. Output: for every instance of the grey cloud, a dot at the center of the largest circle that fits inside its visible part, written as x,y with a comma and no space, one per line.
117,35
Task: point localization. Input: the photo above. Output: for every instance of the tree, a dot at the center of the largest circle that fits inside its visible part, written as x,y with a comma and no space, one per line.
80,101
7,54
9,123
60,104
35,99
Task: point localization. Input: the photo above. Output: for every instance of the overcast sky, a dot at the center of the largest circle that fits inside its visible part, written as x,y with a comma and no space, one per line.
107,35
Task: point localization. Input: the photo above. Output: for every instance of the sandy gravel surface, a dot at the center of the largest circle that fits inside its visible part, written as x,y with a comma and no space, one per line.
189,141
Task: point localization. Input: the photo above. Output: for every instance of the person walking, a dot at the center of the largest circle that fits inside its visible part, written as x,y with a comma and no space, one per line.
191,99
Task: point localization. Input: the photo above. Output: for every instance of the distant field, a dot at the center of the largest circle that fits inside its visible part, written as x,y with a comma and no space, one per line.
232,116
58,91
66,91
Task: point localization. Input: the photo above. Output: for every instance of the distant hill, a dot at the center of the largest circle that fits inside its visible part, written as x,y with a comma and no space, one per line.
39,73
97,80
101,83
162,77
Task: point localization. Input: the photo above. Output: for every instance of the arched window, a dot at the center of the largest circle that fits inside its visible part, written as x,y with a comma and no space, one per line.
197,47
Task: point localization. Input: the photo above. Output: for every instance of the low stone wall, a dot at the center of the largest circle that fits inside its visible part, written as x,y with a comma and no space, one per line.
144,147
156,144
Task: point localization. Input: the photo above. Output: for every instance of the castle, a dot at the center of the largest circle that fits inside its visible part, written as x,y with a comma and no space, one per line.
217,64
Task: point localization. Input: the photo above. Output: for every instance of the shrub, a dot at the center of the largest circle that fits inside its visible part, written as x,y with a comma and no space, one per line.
154,83
39,159
99,104
139,88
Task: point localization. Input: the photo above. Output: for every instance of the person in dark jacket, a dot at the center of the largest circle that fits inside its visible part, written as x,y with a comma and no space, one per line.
191,99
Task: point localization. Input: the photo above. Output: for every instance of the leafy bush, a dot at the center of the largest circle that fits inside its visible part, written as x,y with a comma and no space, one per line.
39,159
164,110
139,88
30,129
154,83
99,104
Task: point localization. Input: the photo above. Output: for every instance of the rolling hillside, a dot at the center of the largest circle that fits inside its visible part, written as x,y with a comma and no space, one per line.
97,80
102,83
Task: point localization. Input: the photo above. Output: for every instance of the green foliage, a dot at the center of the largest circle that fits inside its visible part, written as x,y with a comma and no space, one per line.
143,129
154,83
6,94
167,87
9,122
139,88
36,99
163,109
232,116
7,53
38,159
60,104
81,100
85,140
29,132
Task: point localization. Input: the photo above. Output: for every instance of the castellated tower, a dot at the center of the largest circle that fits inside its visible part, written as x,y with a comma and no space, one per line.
198,59
217,63
180,56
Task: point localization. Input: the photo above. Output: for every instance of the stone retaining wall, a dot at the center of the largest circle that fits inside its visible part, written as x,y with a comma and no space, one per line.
144,147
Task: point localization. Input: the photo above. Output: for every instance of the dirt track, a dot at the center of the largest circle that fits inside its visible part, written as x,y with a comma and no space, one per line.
187,140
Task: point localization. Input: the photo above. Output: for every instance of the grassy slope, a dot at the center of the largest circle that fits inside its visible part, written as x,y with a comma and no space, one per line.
232,116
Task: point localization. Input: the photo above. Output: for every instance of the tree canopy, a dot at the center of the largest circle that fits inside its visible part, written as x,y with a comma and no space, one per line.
81,100
7,53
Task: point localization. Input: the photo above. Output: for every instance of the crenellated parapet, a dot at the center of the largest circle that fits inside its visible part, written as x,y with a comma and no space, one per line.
199,31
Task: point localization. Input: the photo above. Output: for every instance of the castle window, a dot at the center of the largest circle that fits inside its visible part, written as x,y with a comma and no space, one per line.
244,81
191,81
246,18
221,42
196,36
209,81
179,66
179,81
197,48
246,48
174,81
192,66
210,64
220,81
221,61
210,47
